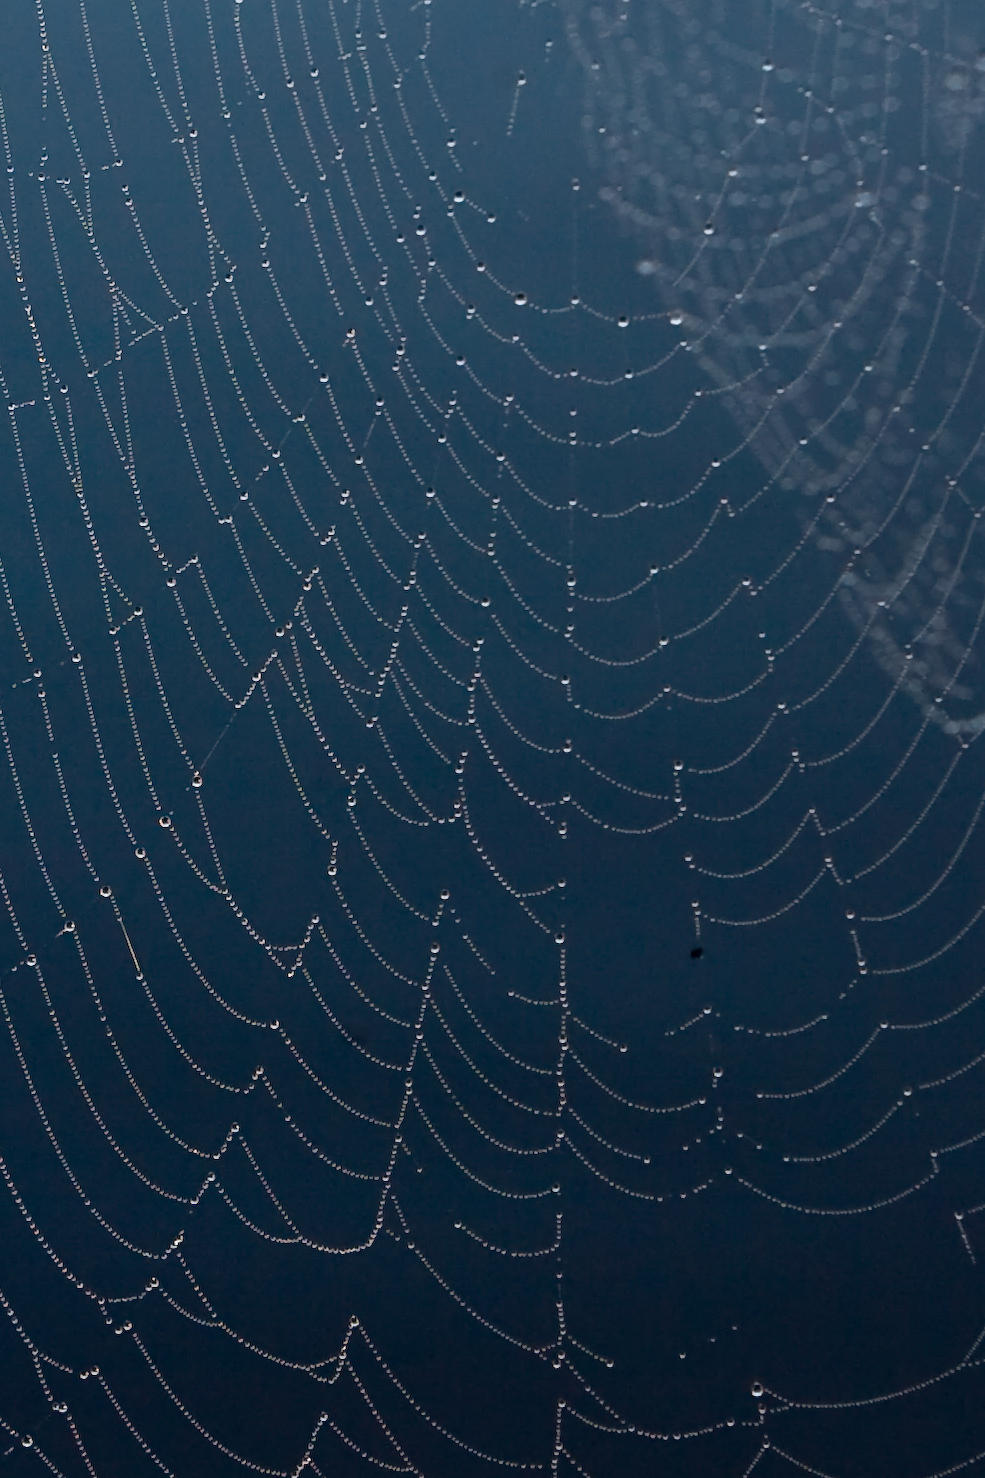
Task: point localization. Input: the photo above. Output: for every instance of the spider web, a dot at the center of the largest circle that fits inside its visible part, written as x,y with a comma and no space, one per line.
491,709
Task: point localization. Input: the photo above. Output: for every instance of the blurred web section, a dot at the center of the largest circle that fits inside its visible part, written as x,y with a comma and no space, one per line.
813,218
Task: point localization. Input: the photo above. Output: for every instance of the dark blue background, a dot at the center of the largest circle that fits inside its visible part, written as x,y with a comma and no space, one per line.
362,543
